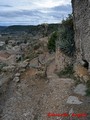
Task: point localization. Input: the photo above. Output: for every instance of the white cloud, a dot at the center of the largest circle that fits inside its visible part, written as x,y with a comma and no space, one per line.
51,3
34,4
37,11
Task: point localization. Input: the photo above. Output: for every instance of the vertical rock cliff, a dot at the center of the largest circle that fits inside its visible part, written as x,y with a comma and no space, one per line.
81,12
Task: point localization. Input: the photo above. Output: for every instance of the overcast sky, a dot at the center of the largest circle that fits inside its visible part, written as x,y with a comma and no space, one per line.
33,12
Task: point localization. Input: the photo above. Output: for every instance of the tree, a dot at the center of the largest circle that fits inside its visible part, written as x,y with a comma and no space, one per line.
52,42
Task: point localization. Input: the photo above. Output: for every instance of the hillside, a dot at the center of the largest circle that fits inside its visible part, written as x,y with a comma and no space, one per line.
38,75
31,29
2,28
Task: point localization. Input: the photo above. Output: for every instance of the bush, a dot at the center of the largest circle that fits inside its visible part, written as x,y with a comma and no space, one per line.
66,37
88,88
6,42
52,42
67,72
25,41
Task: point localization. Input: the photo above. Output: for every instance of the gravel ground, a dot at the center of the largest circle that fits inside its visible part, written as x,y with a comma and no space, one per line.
33,98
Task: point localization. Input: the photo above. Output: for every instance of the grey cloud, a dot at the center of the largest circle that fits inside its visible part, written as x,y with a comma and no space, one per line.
35,16
6,6
62,8
19,13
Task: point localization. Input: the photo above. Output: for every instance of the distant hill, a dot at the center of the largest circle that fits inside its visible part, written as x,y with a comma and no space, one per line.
44,29
2,28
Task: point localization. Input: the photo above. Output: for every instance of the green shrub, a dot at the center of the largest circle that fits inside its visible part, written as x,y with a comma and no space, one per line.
88,88
25,41
66,37
66,72
6,42
52,42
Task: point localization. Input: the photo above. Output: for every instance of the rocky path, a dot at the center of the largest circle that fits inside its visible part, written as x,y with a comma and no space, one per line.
33,98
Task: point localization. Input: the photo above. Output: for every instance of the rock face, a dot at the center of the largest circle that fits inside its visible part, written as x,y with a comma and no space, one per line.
61,60
81,11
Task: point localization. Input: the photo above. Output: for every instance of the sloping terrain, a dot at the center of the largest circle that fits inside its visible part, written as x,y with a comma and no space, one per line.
32,98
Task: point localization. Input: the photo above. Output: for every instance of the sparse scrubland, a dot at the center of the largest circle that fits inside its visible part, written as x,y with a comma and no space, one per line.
30,85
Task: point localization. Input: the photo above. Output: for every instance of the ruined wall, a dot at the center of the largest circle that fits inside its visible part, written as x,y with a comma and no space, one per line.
81,11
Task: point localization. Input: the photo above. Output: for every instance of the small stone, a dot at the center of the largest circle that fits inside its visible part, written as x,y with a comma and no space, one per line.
16,79
17,75
26,114
22,70
71,111
80,89
73,100
23,64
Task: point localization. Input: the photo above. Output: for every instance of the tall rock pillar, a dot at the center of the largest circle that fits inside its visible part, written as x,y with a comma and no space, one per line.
81,12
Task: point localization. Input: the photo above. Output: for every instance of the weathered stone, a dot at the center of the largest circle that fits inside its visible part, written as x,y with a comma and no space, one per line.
11,42
71,111
81,12
4,79
17,75
11,60
13,50
16,79
23,64
8,68
2,43
81,72
61,60
80,89
4,56
73,100
40,74
22,70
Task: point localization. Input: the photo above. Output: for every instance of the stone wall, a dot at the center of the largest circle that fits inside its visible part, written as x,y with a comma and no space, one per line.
81,11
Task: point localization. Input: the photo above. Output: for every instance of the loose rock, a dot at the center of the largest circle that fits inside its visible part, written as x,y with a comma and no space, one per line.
16,79
17,75
80,89
73,100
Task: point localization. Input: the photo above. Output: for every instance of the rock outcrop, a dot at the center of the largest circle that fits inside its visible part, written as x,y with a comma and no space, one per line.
61,60
81,12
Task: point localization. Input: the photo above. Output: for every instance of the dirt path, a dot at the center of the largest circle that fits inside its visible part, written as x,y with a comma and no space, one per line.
33,98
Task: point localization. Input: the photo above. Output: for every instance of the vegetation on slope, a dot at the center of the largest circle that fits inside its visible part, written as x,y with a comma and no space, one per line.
67,72
52,42
65,37
44,29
